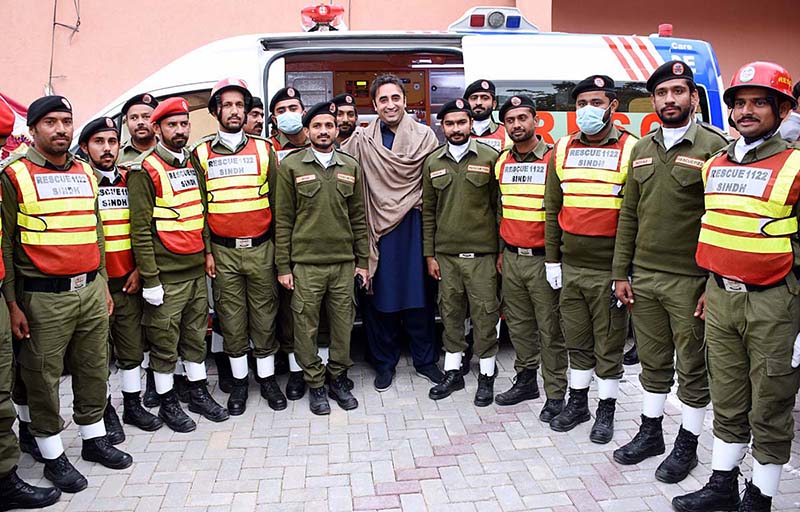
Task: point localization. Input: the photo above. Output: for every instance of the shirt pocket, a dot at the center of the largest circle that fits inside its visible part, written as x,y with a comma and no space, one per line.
479,179
442,182
643,173
346,189
309,189
686,176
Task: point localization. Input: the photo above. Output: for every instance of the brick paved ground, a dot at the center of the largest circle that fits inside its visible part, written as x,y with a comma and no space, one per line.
397,451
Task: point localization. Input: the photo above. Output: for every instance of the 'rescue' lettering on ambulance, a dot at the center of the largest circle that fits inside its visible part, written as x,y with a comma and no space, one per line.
593,158
56,186
112,197
524,173
182,179
743,181
226,166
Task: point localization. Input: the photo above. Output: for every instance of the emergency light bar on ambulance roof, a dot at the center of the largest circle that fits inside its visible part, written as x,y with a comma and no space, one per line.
493,20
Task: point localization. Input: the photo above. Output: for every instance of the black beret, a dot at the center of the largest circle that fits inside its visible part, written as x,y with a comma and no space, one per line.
668,71
287,93
593,83
326,107
139,99
256,103
101,124
796,90
345,100
514,102
479,86
46,104
457,105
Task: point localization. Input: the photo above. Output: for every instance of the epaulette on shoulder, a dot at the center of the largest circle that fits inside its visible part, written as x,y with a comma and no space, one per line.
259,137
622,129
201,140
292,153
136,165
347,156
10,159
713,129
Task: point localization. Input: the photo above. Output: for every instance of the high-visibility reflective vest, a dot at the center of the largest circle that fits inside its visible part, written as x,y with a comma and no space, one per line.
496,140
522,197
178,210
746,232
238,206
592,180
56,218
280,152
112,201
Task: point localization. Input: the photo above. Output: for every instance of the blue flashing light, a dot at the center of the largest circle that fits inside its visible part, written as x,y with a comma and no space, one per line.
513,21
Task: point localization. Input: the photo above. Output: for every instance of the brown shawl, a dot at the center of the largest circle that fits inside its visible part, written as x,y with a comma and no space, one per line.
392,178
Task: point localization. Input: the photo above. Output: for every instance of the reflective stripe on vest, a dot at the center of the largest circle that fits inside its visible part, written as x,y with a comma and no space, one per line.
112,201
522,197
238,205
746,232
592,181
178,215
56,217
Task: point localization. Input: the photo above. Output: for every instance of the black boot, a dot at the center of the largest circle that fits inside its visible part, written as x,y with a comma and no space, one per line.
150,397
648,442
453,381
552,408
631,357
27,443
318,402
681,460
525,388
172,413
575,412
17,493
134,414
114,431
484,395
603,428
753,500
340,392
63,474
237,401
720,493
271,392
99,449
295,386
348,382
225,378
201,402
181,386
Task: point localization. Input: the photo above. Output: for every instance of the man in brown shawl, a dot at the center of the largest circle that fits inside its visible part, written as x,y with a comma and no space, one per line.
400,297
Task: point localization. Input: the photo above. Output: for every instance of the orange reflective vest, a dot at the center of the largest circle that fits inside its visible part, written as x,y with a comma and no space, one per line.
592,180
238,206
496,140
746,232
280,152
178,210
112,201
56,218
522,196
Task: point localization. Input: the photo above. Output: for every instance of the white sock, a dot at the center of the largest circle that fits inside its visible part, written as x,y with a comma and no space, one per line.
23,413
92,431
293,366
692,418
767,477
146,360
487,365
50,447
452,361
726,456
265,366
653,404
580,379
163,382
130,380
196,371
239,367
216,343
607,388
324,353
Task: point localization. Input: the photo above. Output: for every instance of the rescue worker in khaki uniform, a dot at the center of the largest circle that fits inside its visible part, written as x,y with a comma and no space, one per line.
459,238
748,243
14,492
99,140
254,125
585,179
321,237
655,246
529,303
482,98
54,257
167,230
239,172
136,112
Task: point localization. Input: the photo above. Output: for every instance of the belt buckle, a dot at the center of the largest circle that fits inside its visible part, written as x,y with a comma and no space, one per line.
244,243
77,283
733,286
466,255
524,252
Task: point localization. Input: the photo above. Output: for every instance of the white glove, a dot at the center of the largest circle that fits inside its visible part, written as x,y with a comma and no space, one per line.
553,271
796,352
154,296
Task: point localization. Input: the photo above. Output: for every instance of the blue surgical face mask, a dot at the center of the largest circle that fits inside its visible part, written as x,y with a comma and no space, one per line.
590,119
290,122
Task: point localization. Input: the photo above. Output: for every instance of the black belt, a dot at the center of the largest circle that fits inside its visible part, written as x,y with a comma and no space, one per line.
525,251
471,255
732,285
241,243
58,284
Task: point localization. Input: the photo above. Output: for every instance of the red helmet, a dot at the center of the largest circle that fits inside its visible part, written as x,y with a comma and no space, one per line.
761,74
225,84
